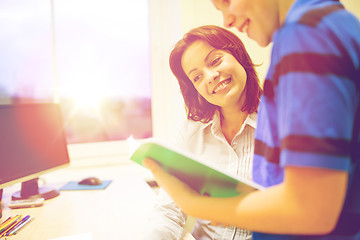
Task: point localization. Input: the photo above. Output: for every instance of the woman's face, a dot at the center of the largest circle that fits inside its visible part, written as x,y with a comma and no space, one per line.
216,74
257,18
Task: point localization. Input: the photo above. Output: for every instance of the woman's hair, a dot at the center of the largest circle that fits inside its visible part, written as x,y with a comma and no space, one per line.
197,108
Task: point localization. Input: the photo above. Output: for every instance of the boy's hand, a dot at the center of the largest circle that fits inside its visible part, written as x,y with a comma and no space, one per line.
181,193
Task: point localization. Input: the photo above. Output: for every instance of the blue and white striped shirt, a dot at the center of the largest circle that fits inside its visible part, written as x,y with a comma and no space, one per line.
307,111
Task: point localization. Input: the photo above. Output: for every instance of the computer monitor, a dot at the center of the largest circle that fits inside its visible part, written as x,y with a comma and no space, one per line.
32,143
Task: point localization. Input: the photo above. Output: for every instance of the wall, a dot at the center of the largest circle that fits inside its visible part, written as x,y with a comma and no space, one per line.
353,6
167,105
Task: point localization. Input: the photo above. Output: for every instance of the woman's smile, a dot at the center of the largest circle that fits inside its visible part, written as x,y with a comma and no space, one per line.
221,86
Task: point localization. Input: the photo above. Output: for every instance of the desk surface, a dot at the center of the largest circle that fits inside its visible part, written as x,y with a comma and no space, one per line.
118,212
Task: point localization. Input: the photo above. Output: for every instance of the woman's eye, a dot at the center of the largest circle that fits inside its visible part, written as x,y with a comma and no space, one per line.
215,61
196,78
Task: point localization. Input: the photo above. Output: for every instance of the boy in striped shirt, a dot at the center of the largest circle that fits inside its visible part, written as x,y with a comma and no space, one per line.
307,137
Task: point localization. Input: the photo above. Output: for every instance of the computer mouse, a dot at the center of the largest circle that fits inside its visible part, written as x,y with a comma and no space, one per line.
90,181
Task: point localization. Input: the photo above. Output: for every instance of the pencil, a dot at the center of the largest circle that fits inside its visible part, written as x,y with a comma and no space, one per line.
9,224
4,222
18,223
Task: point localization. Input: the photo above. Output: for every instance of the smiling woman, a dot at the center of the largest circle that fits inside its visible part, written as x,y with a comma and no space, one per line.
84,55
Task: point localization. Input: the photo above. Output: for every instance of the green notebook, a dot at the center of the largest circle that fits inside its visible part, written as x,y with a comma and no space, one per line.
201,176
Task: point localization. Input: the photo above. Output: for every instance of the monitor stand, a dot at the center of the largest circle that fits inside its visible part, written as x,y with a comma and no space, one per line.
30,189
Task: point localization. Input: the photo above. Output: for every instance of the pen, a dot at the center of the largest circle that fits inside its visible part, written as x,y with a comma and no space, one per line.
21,226
18,223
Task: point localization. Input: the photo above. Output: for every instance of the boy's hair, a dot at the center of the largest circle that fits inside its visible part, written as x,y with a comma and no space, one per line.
197,108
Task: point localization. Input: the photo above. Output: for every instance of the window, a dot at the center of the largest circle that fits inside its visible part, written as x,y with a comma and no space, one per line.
85,55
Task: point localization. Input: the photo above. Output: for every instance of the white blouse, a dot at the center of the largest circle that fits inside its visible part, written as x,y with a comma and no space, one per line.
207,141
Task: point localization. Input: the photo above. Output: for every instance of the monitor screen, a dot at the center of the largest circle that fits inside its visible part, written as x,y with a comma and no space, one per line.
32,141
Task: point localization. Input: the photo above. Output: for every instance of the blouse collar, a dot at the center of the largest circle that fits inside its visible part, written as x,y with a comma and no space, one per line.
216,126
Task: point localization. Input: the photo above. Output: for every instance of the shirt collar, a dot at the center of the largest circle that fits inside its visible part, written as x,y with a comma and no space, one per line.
216,126
252,120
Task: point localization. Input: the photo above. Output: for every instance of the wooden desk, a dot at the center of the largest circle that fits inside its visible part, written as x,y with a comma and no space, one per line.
118,212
